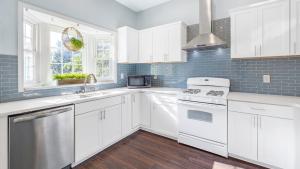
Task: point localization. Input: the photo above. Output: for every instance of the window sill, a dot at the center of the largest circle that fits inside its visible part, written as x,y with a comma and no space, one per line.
65,86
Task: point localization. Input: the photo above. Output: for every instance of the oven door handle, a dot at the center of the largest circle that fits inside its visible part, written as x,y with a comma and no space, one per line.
214,106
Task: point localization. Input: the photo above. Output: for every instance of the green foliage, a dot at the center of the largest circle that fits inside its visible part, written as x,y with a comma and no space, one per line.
76,43
69,76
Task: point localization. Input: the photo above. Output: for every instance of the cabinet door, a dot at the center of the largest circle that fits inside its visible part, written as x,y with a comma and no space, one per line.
111,125
177,39
274,29
87,139
295,27
242,135
146,46
164,118
128,43
136,115
126,115
145,110
244,34
276,142
160,44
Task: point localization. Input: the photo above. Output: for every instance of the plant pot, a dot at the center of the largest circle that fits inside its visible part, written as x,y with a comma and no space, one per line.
70,81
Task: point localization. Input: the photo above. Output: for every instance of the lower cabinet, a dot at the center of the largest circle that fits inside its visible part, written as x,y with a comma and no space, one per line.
263,135
126,115
87,135
97,129
111,125
136,110
164,118
145,110
242,135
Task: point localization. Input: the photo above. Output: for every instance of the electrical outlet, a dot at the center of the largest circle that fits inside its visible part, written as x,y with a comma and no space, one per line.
155,77
267,79
122,76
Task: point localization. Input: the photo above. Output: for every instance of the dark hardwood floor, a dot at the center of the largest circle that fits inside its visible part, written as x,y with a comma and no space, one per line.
144,150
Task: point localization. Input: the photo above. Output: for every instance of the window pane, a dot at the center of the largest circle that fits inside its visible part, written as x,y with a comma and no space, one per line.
27,43
56,55
67,68
104,59
67,56
56,68
55,39
28,66
28,30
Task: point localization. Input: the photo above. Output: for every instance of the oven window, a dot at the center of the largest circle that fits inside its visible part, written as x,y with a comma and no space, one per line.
136,81
200,116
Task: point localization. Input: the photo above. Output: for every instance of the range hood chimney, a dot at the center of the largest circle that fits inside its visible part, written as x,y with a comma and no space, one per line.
206,39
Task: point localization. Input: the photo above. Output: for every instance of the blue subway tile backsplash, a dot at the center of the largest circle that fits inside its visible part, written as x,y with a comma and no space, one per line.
245,75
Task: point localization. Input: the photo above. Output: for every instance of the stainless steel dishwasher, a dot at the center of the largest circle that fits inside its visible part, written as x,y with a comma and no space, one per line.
42,140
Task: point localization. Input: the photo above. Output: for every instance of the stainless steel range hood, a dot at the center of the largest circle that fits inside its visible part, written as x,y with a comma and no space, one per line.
206,39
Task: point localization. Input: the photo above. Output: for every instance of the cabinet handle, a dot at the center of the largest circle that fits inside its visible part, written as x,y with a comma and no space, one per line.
258,109
260,47
100,115
104,112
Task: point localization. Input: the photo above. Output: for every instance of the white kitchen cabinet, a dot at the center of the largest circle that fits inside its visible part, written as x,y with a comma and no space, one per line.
242,135
168,41
244,34
126,115
275,141
160,44
97,125
164,118
295,27
136,113
146,46
111,125
262,133
145,110
261,30
128,42
274,29
87,138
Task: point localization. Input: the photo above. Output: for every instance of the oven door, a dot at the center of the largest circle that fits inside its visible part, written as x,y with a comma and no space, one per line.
206,121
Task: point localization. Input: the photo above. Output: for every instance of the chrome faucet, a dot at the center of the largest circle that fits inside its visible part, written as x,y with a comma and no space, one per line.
87,78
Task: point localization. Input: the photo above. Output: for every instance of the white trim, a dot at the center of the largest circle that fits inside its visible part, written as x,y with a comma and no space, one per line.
20,47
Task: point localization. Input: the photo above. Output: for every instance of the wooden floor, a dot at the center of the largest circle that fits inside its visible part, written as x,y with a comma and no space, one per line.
144,150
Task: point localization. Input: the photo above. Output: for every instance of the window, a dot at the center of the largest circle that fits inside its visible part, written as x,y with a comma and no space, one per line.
62,60
28,52
44,55
104,59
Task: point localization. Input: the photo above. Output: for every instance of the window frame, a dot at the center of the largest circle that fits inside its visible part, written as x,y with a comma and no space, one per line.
21,85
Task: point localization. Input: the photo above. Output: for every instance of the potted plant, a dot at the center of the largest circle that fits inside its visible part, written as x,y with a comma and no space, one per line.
70,78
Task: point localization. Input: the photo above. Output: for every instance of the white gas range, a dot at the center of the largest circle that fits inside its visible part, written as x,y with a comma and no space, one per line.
203,114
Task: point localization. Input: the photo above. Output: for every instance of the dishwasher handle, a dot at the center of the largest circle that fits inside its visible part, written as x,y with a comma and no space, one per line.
41,114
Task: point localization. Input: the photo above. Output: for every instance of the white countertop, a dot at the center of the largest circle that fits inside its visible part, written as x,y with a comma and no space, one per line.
265,99
19,107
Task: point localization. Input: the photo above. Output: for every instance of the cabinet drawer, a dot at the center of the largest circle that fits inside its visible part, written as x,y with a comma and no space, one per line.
96,105
262,109
159,98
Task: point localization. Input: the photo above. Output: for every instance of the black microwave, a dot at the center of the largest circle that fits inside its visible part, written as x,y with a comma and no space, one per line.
139,81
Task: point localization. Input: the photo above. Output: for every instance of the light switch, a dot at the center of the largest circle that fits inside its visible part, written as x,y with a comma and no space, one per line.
267,79
155,77
122,76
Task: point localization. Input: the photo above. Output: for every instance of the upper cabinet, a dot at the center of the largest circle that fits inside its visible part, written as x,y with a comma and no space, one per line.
295,27
262,30
159,44
128,40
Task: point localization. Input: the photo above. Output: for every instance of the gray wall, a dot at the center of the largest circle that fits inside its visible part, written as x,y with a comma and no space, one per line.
104,13
187,11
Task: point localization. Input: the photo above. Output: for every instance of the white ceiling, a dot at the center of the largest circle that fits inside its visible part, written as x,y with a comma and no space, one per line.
140,5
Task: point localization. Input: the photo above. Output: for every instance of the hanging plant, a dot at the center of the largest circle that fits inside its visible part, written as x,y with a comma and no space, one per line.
72,39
